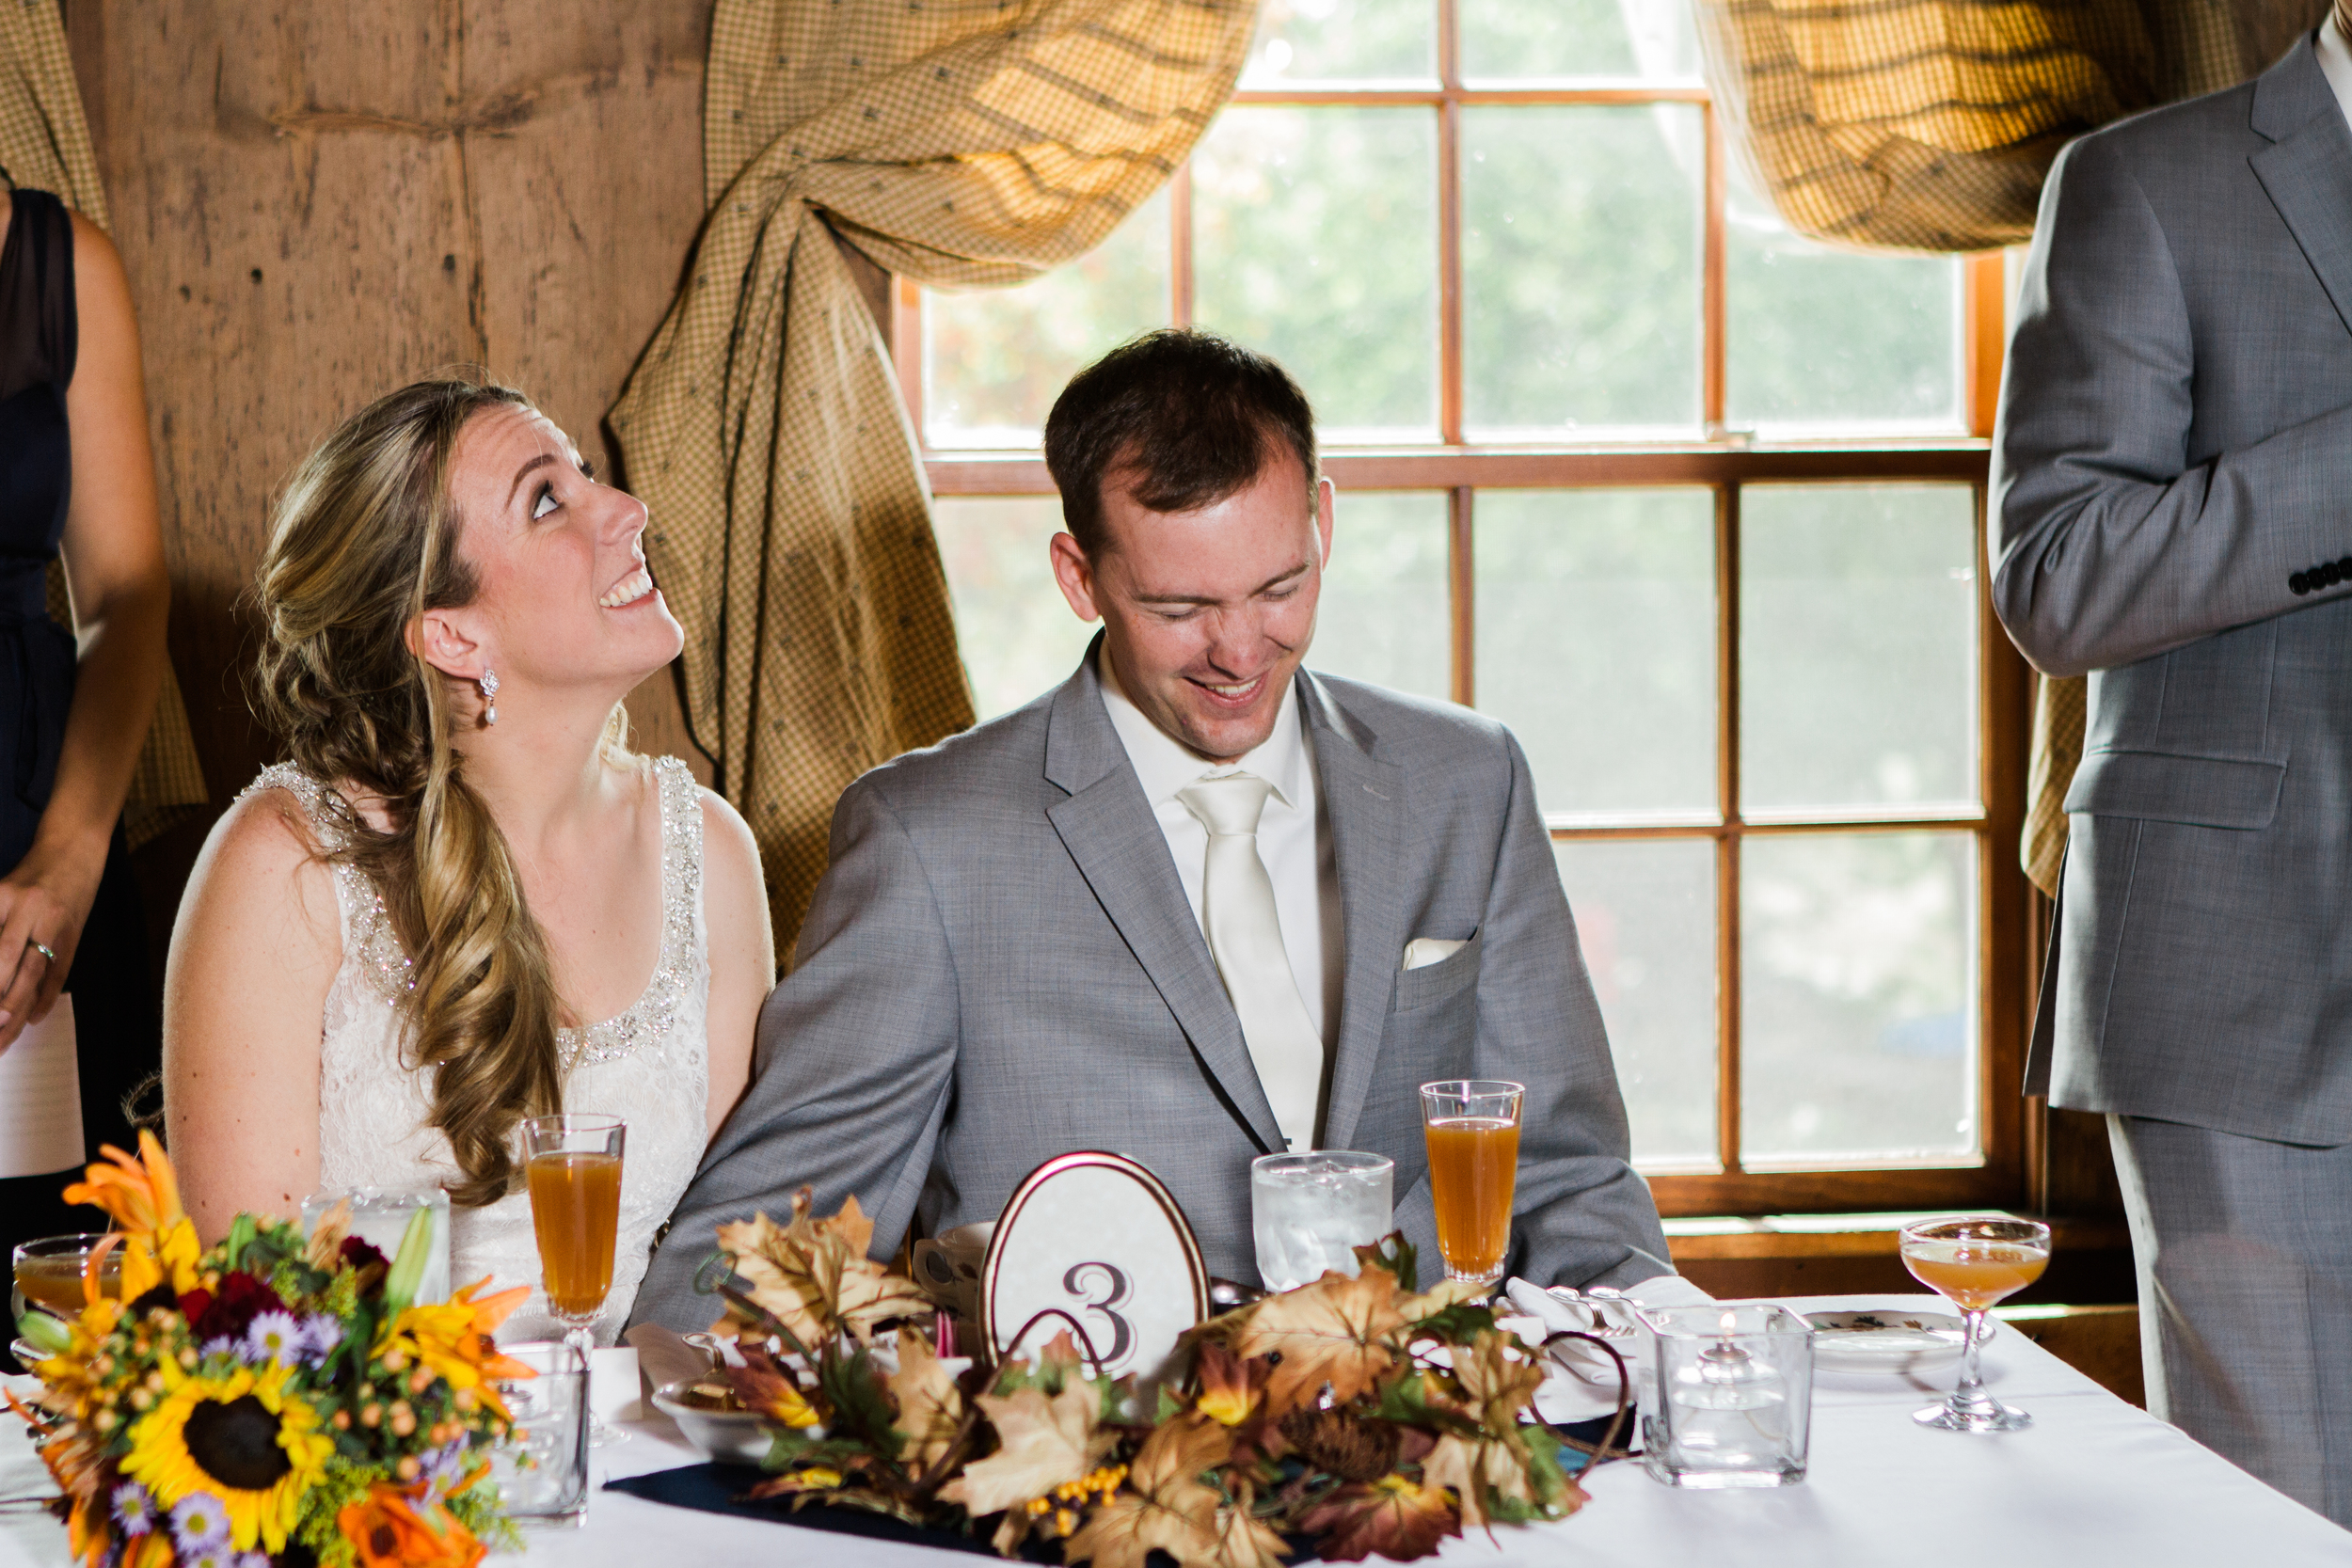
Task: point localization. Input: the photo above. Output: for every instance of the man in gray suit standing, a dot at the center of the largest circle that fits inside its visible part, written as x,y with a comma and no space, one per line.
1193,905
2172,484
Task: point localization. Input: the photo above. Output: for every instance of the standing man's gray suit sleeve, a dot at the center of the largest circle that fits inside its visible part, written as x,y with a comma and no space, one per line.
870,1023
2112,544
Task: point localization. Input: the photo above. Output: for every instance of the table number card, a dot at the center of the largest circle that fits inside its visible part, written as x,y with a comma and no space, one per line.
1097,1236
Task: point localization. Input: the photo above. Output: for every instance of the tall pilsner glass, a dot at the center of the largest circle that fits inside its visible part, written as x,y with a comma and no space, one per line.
1472,1127
574,1171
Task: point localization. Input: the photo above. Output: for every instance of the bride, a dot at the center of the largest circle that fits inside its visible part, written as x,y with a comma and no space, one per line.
464,902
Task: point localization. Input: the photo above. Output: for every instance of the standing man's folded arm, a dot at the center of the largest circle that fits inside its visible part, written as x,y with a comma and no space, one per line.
856,1060
1584,1216
2110,547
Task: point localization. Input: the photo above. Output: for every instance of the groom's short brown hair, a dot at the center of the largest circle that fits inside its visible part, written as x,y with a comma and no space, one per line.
1184,418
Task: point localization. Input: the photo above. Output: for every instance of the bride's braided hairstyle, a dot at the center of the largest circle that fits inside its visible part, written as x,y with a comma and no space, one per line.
364,542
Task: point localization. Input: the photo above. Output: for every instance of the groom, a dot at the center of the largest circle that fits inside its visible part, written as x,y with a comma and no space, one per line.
1193,905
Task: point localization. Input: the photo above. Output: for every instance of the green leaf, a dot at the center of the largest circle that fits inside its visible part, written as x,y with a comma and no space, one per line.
241,1231
859,1400
416,1249
1398,1256
44,1333
1457,1325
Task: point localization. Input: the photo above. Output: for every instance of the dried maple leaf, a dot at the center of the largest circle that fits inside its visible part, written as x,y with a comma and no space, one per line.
1166,1508
1499,1386
1478,1469
1229,1385
814,1275
1391,1516
1334,1331
1042,1442
1445,1293
766,1387
931,1406
1243,1539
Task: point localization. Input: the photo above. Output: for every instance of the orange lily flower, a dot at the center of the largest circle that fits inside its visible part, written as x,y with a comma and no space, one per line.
143,1195
386,1530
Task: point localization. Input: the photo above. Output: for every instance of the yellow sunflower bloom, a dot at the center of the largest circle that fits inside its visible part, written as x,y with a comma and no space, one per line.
245,1438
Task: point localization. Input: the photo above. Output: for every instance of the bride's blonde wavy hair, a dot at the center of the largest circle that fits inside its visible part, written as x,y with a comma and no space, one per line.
364,542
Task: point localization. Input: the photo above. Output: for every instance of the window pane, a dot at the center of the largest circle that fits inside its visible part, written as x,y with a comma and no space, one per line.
1645,916
1818,337
1384,615
1596,643
1578,37
1315,233
1016,632
1325,40
1580,241
994,359
1857,648
1858,985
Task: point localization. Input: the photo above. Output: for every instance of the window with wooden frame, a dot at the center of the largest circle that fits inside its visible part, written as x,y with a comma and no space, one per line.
1694,505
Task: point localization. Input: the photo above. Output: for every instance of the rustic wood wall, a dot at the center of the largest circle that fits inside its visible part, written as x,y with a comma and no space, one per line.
320,199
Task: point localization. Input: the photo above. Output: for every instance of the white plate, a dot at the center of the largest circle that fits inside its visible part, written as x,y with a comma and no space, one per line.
1886,1341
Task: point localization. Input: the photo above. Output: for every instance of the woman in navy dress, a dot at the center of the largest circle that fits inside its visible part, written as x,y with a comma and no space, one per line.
76,479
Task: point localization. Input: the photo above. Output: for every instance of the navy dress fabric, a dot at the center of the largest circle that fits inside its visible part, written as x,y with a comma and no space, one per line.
115,1016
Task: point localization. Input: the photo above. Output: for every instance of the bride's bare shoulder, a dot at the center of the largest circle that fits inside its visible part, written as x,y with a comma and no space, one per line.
265,850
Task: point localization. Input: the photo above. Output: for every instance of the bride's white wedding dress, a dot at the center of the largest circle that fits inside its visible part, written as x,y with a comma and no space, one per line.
649,1066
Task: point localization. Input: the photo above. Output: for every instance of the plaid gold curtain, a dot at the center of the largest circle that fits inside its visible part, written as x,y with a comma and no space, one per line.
953,141
1929,125
45,145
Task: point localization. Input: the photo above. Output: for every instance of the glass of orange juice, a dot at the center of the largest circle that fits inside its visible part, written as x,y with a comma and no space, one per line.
573,1170
1974,1263
1472,1127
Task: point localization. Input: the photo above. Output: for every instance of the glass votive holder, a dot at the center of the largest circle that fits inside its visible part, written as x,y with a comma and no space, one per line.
1308,1212
380,1216
1730,1401
541,1466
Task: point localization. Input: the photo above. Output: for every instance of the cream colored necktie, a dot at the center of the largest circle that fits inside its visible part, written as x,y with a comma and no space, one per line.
1245,938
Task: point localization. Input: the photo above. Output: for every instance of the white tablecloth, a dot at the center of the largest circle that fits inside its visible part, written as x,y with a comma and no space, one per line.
2093,1482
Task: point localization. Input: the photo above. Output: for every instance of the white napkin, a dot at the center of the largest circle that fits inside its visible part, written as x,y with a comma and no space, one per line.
1423,951
1592,1390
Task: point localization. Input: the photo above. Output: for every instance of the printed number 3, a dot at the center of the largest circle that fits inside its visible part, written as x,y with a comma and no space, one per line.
1114,1285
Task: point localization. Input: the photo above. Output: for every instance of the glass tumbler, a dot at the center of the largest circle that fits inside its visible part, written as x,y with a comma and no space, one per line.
1308,1212
541,1467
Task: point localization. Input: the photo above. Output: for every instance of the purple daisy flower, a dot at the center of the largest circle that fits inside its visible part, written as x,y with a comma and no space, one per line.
442,1468
135,1509
321,1333
252,1559
198,1523
208,1557
272,1336
220,1344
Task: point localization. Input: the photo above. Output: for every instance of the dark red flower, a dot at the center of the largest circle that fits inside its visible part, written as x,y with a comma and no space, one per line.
240,1299
359,1253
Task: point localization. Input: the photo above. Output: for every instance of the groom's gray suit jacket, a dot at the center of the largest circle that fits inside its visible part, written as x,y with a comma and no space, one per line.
2172,484
1001,966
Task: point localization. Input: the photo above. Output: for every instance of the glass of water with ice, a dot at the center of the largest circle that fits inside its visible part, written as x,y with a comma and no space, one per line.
1311,1211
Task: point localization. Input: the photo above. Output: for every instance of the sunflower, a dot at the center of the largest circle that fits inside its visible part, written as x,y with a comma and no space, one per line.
243,1437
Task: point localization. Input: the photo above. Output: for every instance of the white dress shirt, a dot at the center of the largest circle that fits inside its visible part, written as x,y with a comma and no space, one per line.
2335,60
1294,837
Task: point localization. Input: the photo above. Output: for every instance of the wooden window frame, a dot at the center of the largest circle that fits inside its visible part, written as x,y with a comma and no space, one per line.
1724,461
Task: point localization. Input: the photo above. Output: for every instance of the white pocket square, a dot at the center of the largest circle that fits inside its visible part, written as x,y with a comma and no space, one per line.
1423,951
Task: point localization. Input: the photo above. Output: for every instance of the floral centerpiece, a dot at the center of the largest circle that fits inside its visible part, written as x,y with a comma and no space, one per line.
1359,1414
275,1399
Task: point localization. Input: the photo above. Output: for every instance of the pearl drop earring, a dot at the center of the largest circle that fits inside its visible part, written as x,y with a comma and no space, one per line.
489,684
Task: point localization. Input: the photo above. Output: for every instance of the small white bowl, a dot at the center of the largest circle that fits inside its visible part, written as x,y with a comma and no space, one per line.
724,1436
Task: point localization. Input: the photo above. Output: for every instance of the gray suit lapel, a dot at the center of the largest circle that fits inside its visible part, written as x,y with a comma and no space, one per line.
1108,828
2307,170
1365,801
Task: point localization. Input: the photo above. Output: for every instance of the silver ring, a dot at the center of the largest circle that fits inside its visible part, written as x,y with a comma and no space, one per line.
44,952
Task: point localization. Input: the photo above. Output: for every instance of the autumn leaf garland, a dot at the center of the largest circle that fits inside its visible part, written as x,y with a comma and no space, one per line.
1359,1414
